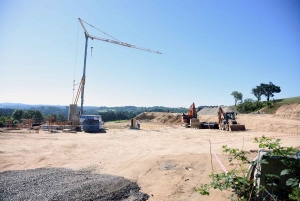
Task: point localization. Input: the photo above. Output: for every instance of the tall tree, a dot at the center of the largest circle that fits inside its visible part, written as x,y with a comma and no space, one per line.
61,118
35,115
237,96
17,114
269,90
257,92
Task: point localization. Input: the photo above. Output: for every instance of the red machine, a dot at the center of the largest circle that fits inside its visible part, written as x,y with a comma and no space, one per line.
191,114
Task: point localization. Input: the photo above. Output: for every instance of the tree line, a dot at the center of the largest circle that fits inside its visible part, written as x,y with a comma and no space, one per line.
17,115
249,105
124,114
60,114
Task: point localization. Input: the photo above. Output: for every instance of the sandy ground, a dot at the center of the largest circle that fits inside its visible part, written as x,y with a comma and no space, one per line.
167,161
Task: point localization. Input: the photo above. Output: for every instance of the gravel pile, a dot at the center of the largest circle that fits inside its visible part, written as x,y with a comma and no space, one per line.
65,184
208,111
214,110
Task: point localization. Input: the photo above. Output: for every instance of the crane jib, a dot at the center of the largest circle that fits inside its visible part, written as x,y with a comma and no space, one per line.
115,41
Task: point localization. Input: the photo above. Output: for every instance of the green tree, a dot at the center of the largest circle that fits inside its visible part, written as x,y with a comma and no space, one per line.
6,111
25,115
17,114
61,118
237,96
35,115
249,105
257,92
3,121
269,90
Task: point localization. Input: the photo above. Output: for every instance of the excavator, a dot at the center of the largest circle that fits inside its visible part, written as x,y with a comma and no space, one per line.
227,121
191,114
191,120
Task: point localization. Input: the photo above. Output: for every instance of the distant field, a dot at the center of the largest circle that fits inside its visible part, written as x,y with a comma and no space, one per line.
280,102
289,100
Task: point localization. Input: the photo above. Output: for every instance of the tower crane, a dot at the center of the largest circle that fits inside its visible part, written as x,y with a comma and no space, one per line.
88,36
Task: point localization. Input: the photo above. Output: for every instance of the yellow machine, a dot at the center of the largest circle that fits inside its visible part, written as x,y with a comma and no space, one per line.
228,122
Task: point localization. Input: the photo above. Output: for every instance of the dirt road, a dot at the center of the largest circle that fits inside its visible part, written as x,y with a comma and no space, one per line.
166,161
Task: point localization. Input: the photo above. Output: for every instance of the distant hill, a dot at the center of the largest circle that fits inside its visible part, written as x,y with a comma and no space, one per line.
8,108
25,106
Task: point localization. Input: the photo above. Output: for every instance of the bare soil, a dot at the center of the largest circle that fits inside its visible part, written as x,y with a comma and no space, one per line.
290,111
166,160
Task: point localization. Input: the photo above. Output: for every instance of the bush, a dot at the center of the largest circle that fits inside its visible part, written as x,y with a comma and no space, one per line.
249,105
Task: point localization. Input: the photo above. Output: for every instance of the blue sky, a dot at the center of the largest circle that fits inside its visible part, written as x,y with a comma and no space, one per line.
209,49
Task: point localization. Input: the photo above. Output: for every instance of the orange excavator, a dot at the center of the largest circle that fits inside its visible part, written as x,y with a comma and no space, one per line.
191,114
227,121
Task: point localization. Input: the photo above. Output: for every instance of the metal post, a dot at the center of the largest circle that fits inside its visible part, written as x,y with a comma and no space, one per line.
212,167
83,76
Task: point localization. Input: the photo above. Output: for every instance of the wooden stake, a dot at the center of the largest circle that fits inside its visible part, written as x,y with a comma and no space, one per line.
212,167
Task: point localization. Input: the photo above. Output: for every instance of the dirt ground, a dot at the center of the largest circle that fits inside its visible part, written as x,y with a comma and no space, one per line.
166,160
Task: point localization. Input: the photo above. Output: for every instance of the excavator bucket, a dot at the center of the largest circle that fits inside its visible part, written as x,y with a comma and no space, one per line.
237,127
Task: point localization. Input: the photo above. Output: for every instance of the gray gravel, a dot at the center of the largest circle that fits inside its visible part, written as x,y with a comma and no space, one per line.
66,184
214,110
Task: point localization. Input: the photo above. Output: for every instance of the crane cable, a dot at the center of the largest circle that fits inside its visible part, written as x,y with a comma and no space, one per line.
100,31
75,61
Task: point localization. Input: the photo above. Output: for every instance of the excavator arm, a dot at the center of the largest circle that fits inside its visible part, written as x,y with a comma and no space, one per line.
220,113
192,111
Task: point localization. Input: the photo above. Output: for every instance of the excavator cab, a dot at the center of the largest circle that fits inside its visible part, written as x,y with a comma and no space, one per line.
229,115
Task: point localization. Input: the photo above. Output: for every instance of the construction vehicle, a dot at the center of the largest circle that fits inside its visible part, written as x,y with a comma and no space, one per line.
74,115
227,121
192,114
91,123
191,120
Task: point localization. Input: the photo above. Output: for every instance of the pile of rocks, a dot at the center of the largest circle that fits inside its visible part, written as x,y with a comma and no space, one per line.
66,184
214,110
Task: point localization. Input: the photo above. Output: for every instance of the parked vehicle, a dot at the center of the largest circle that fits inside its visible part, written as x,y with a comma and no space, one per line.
227,121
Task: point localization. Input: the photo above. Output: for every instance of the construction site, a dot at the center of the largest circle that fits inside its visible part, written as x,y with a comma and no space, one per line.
163,157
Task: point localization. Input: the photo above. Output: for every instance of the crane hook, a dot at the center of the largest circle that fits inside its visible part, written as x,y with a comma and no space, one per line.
91,51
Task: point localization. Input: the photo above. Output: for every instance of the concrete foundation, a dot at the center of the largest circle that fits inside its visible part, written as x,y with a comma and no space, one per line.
73,114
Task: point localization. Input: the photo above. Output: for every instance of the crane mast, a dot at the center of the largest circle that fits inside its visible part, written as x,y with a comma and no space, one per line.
87,36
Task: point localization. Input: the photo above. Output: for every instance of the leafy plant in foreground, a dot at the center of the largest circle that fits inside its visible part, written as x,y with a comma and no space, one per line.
241,183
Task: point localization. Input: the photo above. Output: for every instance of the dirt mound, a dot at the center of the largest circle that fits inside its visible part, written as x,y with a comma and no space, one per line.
291,111
160,117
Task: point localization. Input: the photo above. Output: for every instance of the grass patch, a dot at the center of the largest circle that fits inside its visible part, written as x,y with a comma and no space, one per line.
289,100
280,102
